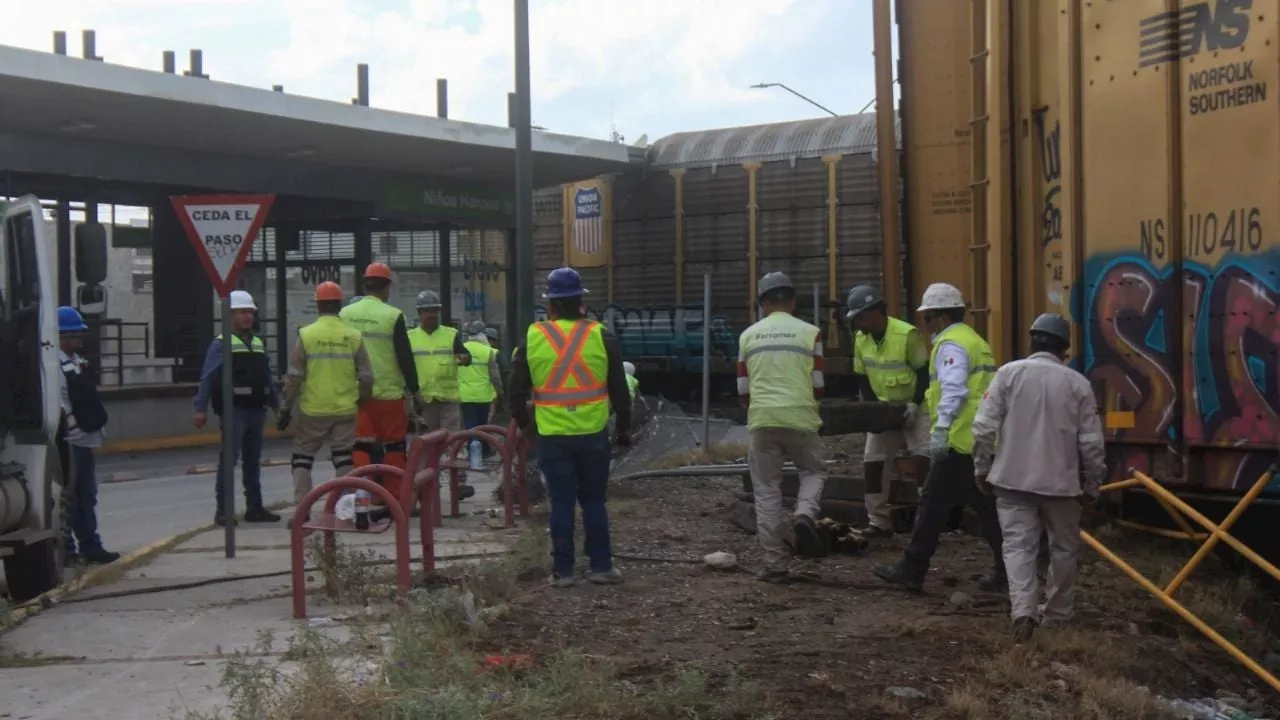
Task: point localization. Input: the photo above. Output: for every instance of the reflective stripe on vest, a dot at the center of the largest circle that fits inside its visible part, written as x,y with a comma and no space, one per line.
885,362
569,367
376,322
474,385
778,351
435,363
330,387
982,369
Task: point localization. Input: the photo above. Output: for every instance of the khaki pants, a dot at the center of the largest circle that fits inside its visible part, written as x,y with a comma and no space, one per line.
440,415
309,435
1023,517
767,450
881,448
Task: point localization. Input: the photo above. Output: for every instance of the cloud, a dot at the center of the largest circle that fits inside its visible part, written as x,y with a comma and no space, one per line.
592,62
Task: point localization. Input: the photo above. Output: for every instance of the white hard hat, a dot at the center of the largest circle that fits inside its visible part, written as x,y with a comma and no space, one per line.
941,296
629,368
241,300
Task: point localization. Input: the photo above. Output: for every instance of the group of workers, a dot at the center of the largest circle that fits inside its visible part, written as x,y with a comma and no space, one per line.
1021,444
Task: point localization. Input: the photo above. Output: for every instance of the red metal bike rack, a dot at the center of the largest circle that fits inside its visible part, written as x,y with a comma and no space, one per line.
456,440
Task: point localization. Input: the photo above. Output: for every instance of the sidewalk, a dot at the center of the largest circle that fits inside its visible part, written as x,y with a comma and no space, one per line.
133,649
128,467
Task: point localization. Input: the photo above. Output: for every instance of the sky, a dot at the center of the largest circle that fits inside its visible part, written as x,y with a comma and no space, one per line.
648,68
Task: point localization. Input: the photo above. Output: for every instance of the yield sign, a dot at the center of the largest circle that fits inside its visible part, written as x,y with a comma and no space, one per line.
222,228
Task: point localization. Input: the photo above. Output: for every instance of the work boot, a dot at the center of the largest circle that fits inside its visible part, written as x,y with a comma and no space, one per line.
608,577
995,582
465,491
1023,628
221,521
875,532
99,556
561,582
774,577
899,575
809,542
260,515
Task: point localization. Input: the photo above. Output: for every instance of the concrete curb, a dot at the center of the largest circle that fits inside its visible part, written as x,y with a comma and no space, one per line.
133,475
177,442
71,587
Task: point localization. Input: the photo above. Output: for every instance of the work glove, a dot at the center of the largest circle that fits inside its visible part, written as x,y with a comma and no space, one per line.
937,448
283,418
913,410
980,482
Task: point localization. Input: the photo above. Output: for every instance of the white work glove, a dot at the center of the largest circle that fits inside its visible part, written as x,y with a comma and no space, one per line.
909,416
937,448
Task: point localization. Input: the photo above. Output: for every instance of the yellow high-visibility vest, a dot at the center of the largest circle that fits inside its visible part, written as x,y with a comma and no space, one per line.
330,388
474,385
887,363
376,322
779,351
435,362
982,370
569,368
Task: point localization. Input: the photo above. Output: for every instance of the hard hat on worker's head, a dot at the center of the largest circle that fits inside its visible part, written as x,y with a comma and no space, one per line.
427,300
773,281
70,321
241,300
475,327
355,299
378,270
328,290
491,333
862,297
629,368
941,296
564,283
1053,325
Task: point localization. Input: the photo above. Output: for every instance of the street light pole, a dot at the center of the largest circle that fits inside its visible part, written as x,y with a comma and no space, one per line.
811,101
524,176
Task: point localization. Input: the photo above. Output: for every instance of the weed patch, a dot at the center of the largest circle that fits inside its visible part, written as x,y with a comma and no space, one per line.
721,454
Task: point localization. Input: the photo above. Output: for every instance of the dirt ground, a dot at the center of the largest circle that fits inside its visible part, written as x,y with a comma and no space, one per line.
844,645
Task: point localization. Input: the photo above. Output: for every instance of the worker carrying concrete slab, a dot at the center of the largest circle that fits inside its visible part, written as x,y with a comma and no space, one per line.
960,369
254,390
780,378
890,364
382,422
1050,460
571,369
329,376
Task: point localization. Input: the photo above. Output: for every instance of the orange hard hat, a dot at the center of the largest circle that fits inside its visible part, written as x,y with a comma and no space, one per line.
378,270
328,290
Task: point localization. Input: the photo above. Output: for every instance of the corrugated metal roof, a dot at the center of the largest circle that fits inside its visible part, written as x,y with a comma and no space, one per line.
843,135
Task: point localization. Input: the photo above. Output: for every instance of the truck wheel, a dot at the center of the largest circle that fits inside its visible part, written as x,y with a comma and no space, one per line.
37,568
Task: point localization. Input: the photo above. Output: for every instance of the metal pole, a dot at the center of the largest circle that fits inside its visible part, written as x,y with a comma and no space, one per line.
706,362
524,174
817,319
886,144
228,442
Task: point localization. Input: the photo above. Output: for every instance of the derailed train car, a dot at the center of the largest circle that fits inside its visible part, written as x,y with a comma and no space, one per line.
799,197
1118,162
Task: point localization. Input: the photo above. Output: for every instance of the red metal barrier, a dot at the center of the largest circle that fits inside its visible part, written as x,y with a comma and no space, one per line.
456,441
329,524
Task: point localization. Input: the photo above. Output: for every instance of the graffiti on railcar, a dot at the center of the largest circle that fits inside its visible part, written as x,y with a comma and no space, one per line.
662,331
1232,343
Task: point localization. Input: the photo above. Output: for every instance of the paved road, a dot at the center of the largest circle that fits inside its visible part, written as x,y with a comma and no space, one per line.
132,514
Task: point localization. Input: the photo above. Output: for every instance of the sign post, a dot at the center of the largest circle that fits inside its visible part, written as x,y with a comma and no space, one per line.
222,229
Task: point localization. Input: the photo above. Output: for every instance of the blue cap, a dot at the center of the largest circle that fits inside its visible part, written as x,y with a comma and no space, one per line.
564,283
69,320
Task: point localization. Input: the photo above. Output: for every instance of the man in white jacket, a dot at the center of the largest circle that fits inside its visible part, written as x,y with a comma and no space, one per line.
1048,463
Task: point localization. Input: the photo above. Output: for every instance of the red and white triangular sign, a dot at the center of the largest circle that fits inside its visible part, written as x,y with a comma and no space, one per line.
222,228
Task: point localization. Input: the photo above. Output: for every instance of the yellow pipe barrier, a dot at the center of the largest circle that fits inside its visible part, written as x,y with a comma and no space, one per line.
1162,532
1182,612
1177,507
1186,532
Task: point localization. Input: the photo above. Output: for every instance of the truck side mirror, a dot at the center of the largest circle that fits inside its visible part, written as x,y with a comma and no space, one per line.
91,253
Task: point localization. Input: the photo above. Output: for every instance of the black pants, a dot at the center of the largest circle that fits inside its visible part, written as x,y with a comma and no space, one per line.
950,485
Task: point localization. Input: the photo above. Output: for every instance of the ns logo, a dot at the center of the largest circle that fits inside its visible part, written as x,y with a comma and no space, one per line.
1210,25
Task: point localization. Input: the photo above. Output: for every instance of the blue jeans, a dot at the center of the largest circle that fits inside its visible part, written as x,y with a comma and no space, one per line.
81,530
576,471
474,414
247,428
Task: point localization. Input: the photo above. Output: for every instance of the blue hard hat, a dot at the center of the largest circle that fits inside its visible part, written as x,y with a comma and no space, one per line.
69,320
564,283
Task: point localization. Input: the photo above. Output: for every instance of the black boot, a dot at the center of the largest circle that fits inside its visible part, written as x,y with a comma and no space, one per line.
465,491
900,574
260,514
1023,629
221,521
809,542
99,556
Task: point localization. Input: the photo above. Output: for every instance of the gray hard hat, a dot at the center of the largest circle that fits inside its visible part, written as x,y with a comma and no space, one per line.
475,327
862,297
427,300
773,281
1053,324
491,333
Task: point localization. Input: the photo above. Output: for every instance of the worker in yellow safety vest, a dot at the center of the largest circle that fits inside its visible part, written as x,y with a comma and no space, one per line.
780,378
479,384
329,376
438,352
382,422
571,367
633,383
960,369
890,364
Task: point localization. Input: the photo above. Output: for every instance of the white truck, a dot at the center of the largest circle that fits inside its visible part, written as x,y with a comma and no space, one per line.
32,476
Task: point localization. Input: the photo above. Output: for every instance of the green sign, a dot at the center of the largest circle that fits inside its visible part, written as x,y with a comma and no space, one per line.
452,201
